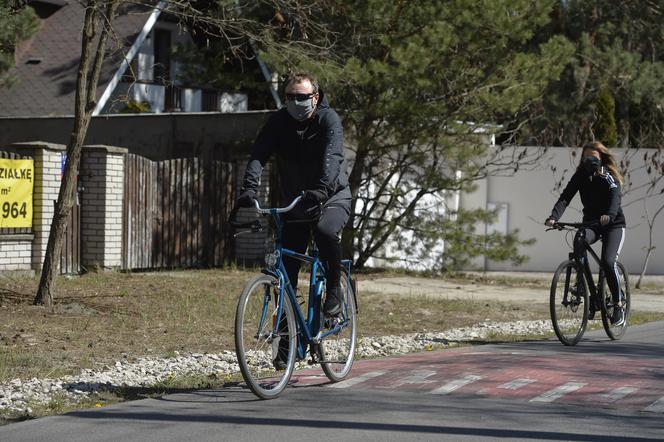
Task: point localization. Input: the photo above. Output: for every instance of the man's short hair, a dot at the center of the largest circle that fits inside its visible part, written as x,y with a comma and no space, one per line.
300,77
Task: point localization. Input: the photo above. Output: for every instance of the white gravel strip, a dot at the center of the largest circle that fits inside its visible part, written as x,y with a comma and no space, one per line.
18,395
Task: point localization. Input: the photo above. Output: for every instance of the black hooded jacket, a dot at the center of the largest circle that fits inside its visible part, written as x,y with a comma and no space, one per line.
309,154
600,195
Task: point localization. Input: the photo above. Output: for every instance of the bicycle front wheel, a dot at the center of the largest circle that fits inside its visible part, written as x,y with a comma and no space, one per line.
337,351
265,350
568,303
606,306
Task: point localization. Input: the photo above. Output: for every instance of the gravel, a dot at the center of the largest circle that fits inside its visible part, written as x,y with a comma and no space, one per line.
18,396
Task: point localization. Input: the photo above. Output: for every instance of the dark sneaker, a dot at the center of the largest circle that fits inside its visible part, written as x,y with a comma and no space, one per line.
332,306
591,311
279,364
618,316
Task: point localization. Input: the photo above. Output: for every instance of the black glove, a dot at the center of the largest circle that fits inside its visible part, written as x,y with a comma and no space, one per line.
246,198
315,196
312,210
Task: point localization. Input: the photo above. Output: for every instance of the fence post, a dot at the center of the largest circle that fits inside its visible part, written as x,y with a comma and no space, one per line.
48,161
102,185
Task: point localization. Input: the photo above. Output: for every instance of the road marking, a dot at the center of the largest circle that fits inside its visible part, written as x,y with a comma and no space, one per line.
618,393
416,377
312,377
516,384
357,380
558,392
657,406
456,384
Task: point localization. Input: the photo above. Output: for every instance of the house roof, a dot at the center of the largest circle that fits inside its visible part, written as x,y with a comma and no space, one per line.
47,64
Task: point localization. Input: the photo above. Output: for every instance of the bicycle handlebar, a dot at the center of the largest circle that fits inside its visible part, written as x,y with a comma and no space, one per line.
562,225
256,224
278,209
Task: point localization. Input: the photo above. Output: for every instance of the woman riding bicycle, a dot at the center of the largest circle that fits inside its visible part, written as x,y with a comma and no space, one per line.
599,182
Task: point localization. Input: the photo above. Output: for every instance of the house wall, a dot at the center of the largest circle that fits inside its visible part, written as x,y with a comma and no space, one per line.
530,195
157,137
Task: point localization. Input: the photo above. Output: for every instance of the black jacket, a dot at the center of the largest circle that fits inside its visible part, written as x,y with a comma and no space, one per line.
600,195
309,154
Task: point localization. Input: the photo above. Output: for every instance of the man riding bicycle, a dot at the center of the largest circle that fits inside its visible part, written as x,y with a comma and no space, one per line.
306,138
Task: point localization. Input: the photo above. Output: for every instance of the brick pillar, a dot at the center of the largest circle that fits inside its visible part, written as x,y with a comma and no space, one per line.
48,176
102,178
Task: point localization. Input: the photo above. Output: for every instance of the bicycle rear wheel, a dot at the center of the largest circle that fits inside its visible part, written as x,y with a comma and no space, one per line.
606,306
337,351
259,340
568,303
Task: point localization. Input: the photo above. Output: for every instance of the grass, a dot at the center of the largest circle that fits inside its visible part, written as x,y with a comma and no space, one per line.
100,318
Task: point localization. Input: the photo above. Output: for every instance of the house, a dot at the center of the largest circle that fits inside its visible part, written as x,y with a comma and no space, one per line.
140,73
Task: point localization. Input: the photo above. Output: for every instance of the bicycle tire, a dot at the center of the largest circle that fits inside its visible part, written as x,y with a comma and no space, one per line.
568,303
257,341
606,304
337,351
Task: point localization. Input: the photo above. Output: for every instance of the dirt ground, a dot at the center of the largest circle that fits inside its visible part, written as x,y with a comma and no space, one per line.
504,287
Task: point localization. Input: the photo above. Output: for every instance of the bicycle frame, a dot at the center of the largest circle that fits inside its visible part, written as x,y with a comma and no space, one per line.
582,260
309,327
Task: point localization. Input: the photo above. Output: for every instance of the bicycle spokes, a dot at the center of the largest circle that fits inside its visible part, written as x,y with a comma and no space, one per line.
337,350
265,348
568,303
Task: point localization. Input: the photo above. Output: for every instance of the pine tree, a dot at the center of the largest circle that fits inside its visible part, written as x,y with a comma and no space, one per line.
417,83
17,23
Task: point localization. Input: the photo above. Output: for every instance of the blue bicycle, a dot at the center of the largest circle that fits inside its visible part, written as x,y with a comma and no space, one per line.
271,331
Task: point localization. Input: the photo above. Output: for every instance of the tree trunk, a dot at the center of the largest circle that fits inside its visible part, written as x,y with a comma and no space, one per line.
645,267
354,180
86,88
651,247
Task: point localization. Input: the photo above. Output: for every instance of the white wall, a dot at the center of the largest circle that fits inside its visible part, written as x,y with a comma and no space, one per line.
233,102
530,195
192,100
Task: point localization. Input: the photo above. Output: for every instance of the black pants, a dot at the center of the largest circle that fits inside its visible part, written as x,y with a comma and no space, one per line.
612,242
327,234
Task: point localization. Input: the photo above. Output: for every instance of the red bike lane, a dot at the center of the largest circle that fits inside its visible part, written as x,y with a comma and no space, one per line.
621,382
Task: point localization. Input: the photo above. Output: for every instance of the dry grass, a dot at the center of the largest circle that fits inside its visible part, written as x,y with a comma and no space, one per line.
99,318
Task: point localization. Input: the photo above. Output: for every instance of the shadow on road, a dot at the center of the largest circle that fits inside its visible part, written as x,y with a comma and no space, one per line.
250,418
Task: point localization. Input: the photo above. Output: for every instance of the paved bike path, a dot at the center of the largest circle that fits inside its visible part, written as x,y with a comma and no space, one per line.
597,372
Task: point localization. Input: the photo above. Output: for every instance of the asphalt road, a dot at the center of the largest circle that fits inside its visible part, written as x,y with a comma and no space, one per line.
598,390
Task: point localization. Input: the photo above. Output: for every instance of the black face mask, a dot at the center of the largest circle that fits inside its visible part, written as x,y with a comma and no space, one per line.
591,164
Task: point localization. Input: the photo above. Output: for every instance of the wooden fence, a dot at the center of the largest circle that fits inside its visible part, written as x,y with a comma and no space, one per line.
175,213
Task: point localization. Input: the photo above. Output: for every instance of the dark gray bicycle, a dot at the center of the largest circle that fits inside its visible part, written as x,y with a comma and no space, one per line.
575,297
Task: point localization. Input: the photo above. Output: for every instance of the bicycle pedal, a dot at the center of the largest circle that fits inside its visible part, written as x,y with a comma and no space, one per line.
332,322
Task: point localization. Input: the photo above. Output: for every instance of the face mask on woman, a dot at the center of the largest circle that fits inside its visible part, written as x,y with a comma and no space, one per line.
591,164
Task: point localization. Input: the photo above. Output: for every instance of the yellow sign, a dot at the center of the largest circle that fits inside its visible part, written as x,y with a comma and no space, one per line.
16,184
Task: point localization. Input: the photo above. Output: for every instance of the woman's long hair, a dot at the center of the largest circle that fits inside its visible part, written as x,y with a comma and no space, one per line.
607,160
